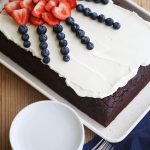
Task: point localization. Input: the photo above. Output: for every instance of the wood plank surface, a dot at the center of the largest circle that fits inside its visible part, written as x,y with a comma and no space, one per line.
16,94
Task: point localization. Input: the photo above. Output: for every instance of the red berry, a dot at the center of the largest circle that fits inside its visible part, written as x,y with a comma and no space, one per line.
27,4
51,4
36,21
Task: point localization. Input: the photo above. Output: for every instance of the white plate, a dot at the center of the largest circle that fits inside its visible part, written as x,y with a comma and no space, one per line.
124,122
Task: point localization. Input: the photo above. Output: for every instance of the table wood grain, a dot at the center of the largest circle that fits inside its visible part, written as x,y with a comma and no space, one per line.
16,94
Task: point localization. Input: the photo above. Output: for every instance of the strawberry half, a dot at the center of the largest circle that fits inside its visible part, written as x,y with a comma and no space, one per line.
27,4
63,10
36,1
9,7
36,21
51,4
73,3
50,19
21,16
39,9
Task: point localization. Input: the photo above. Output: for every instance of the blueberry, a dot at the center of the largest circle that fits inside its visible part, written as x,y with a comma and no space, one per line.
80,7
94,15
87,11
43,38
85,40
75,27
116,25
41,29
45,52
60,36
25,37
80,33
97,1
43,45
64,50
109,21
104,2
58,28
46,60
63,43
66,58
27,44
101,18
70,21
22,29
90,46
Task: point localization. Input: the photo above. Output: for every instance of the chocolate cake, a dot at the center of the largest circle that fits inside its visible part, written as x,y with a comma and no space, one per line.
126,70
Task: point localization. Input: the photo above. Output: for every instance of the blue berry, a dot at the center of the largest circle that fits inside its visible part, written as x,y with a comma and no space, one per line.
66,58
58,28
45,52
104,2
41,30
22,29
80,7
60,36
70,21
64,50
101,18
85,40
97,1
90,46
94,15
43,38
75,27
25,37
43,45
80,33
27,44
46,60
116,25
87,11
63,43
109,21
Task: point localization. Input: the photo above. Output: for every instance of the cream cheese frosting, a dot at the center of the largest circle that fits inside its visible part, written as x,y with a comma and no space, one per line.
115,59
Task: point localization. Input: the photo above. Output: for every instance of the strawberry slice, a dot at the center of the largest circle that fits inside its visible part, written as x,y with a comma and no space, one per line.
73,3
36,1
63,11
21,16
9,7
27,4
39,9
36,21
14,0
50,19
51,4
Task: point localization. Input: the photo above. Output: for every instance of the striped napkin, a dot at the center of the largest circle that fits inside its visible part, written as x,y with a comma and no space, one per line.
138,139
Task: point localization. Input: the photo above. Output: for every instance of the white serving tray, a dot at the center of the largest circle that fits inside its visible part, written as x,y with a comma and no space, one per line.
124,122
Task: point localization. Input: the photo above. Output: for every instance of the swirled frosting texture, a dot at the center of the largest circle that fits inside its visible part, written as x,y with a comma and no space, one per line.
113,62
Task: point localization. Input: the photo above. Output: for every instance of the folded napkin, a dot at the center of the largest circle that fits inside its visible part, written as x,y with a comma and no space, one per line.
138,139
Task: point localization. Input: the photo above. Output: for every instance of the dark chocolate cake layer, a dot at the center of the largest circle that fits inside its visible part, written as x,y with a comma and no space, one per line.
102,110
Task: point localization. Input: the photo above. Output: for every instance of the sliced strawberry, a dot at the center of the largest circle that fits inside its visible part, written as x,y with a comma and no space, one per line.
73,3
27,4
36,21
36,1
50,19
63,11
9,7
21,16
14,0
51,4
39,9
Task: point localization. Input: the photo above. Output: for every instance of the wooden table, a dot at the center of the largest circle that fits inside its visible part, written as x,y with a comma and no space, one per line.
16,94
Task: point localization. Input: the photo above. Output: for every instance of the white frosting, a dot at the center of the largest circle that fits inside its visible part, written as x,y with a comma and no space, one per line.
113,62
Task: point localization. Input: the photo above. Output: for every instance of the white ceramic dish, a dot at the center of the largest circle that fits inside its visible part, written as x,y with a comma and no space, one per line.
124,122
47,125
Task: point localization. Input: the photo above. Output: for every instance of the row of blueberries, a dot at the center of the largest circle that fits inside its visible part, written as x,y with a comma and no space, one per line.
62,42
99,1
41,30
101,18
79,33
25,37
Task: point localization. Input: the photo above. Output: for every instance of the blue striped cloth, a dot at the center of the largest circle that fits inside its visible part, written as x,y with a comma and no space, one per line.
138,139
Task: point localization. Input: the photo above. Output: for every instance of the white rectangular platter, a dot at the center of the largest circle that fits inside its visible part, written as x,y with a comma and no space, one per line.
124,122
